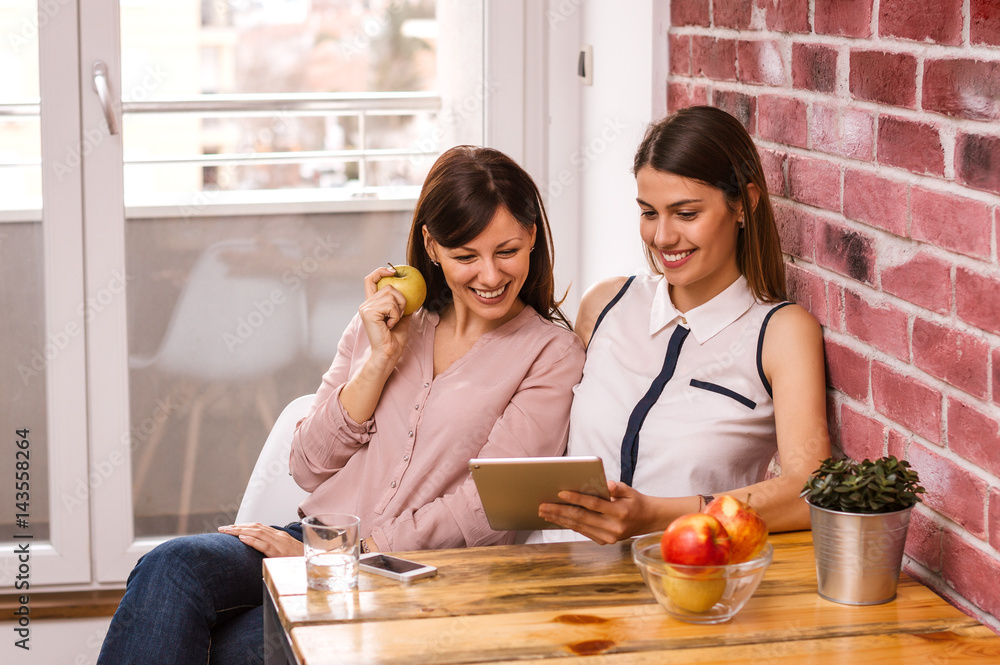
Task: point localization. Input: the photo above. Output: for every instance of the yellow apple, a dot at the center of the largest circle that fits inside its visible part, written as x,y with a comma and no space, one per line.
695,594
410,283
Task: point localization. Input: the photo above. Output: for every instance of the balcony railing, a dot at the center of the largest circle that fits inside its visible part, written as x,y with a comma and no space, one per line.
361,106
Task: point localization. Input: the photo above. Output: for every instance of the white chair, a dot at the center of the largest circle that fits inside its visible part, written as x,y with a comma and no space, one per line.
272,497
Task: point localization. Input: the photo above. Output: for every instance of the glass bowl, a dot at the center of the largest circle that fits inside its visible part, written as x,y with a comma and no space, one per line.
698,594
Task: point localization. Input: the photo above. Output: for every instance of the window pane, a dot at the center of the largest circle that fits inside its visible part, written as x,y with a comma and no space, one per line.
20,135
27,348
344,81
229,320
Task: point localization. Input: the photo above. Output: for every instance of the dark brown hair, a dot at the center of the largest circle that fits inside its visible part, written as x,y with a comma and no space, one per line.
462,193
709,145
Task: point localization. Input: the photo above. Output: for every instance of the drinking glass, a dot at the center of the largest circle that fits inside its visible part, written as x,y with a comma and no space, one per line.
331,549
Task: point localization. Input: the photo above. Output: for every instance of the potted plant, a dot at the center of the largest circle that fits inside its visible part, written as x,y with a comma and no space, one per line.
860,513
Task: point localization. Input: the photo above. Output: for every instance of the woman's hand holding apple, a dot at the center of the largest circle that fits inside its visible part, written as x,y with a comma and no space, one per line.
385,324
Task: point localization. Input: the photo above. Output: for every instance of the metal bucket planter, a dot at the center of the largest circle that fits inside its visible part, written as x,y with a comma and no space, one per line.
858,555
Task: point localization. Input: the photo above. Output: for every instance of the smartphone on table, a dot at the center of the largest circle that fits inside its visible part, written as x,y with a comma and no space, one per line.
393,567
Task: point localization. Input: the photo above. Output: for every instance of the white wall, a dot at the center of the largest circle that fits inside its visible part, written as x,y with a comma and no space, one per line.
629,90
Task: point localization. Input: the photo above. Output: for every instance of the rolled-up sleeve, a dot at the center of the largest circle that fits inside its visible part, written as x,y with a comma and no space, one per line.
327,437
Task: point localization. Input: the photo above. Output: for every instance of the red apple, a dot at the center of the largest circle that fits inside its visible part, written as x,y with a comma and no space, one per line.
695,539
746,528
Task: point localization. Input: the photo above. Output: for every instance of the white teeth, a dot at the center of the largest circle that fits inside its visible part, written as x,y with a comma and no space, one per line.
670,258
490,294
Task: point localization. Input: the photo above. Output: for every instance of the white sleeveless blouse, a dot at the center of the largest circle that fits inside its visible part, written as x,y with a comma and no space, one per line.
712,428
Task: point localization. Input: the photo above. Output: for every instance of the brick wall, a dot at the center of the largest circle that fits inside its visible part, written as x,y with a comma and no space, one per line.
879,125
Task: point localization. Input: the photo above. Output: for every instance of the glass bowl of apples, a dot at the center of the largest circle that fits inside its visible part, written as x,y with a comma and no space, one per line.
690,571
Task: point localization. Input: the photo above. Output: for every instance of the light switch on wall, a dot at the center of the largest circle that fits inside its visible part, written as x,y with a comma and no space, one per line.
585,64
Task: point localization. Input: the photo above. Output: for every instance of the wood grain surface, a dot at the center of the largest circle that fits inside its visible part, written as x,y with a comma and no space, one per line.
536,603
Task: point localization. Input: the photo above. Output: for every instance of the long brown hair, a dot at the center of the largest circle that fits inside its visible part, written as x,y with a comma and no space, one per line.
462,193
709,145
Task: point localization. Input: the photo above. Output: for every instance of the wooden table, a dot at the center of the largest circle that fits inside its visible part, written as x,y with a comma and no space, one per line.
529,604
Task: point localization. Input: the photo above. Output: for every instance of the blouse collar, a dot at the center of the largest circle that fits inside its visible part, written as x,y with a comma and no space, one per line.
706,320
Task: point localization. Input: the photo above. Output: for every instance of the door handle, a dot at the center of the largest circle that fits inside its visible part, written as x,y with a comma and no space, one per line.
101,85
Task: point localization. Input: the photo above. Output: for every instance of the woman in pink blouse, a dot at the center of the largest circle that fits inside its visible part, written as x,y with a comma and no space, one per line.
485,369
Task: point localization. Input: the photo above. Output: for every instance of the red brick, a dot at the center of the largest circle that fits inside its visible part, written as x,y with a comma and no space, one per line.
924,280
682,95
814,181
861,437
883,326
850,18
847,370
951,490
714,58
842,131
954,356
808,290
907,402
886,78
773,162
782,120
788,15
680,54
797,230
814,67
915,146
970,571
824,128
977,161
974,435
835,305
847,251
963,88
761,62
858,136
996,376
689,12
977,298
741,106
923,540
985,22
875,201
994,518
897,444
734,14
939,21
950,222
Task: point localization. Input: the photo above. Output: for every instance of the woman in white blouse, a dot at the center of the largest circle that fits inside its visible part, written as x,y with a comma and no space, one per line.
699,373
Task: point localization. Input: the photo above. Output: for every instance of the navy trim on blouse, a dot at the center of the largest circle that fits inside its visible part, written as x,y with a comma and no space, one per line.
614,301
722,390
760,347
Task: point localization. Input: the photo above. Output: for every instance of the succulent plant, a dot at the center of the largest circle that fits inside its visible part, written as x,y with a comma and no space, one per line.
882,486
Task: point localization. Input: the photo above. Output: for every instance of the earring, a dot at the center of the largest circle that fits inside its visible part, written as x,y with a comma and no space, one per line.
741,221
435,263
532,249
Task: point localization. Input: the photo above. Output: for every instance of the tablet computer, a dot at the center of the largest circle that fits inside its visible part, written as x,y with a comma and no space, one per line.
511,488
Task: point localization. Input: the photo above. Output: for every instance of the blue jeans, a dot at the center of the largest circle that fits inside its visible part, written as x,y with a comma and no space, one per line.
194,599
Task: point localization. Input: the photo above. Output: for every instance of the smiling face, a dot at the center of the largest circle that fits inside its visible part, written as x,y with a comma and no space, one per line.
691,231
486,274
